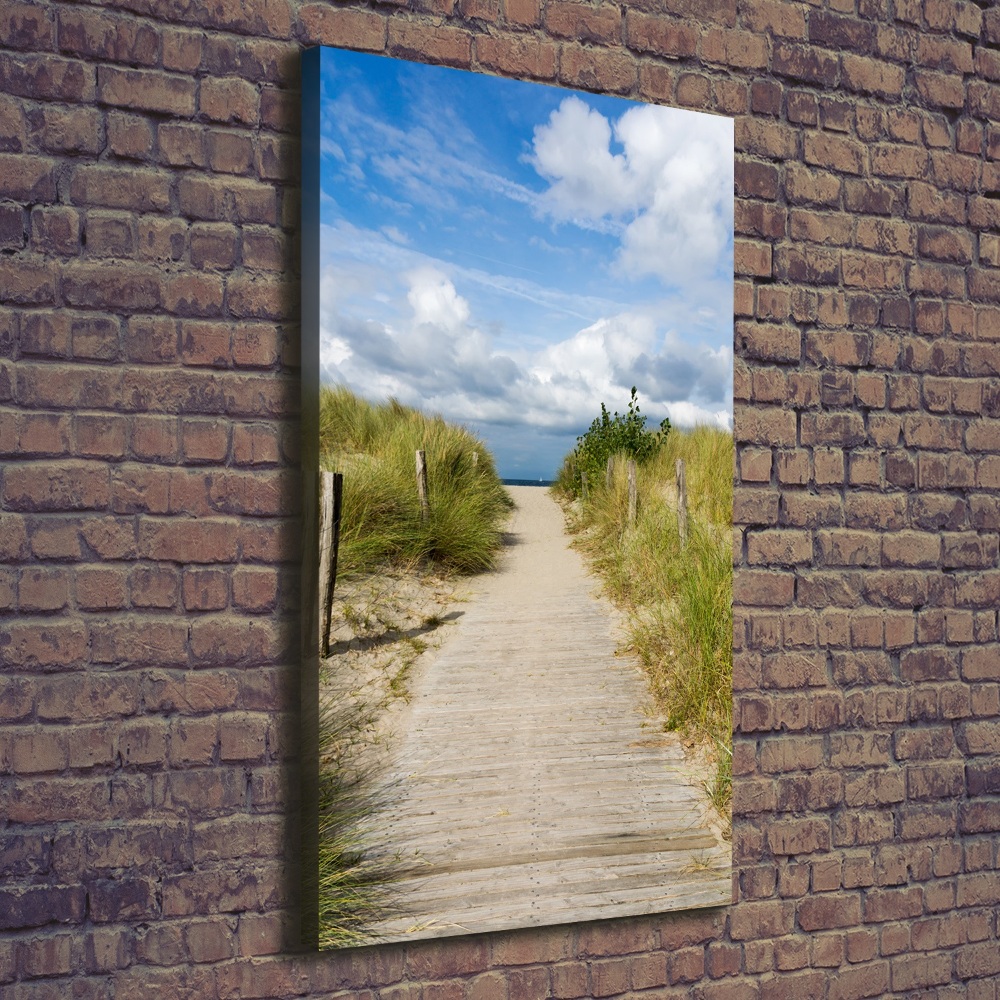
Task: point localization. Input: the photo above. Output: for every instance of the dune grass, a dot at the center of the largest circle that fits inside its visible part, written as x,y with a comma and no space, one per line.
374,446
382,529
678,599
353,887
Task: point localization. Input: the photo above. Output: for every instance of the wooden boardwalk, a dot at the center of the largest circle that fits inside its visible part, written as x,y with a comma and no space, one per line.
527,787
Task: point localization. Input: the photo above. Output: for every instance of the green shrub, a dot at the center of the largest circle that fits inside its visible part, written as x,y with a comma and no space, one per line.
621,434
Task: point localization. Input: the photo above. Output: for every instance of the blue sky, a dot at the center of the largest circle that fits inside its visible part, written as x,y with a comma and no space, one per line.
512,255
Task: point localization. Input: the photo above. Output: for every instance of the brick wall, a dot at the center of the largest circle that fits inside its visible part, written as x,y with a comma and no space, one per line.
148,396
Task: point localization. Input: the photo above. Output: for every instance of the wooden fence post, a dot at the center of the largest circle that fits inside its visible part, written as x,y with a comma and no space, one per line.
475,459
325,544
609,472
583,483
330,504
338,504
631,491
425,509
682,503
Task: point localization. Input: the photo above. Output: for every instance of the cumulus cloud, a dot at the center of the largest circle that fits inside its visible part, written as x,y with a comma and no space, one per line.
431,353
434,300
572,151
678,379
668,193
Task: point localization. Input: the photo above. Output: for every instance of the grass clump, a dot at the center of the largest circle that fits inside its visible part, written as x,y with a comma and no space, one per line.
352,887
374,446
354,882
678,598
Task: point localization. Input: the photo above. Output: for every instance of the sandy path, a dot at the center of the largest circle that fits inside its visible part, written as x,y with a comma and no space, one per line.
528,785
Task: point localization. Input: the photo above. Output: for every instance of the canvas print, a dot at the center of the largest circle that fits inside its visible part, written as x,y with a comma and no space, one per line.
517,367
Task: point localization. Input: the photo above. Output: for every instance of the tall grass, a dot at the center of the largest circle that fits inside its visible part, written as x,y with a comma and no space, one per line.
374,446
353,888
678,598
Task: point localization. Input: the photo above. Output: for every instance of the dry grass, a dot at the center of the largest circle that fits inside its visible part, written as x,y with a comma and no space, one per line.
677,598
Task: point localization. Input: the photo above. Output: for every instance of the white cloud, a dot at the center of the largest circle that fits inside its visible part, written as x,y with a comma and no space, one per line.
572,151
543,244
428,351
686,414
669,192
434,300
588,366
396,235
688,382
330,148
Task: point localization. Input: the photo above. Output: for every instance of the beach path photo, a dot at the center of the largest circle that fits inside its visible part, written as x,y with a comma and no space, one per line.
527,784
491,267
